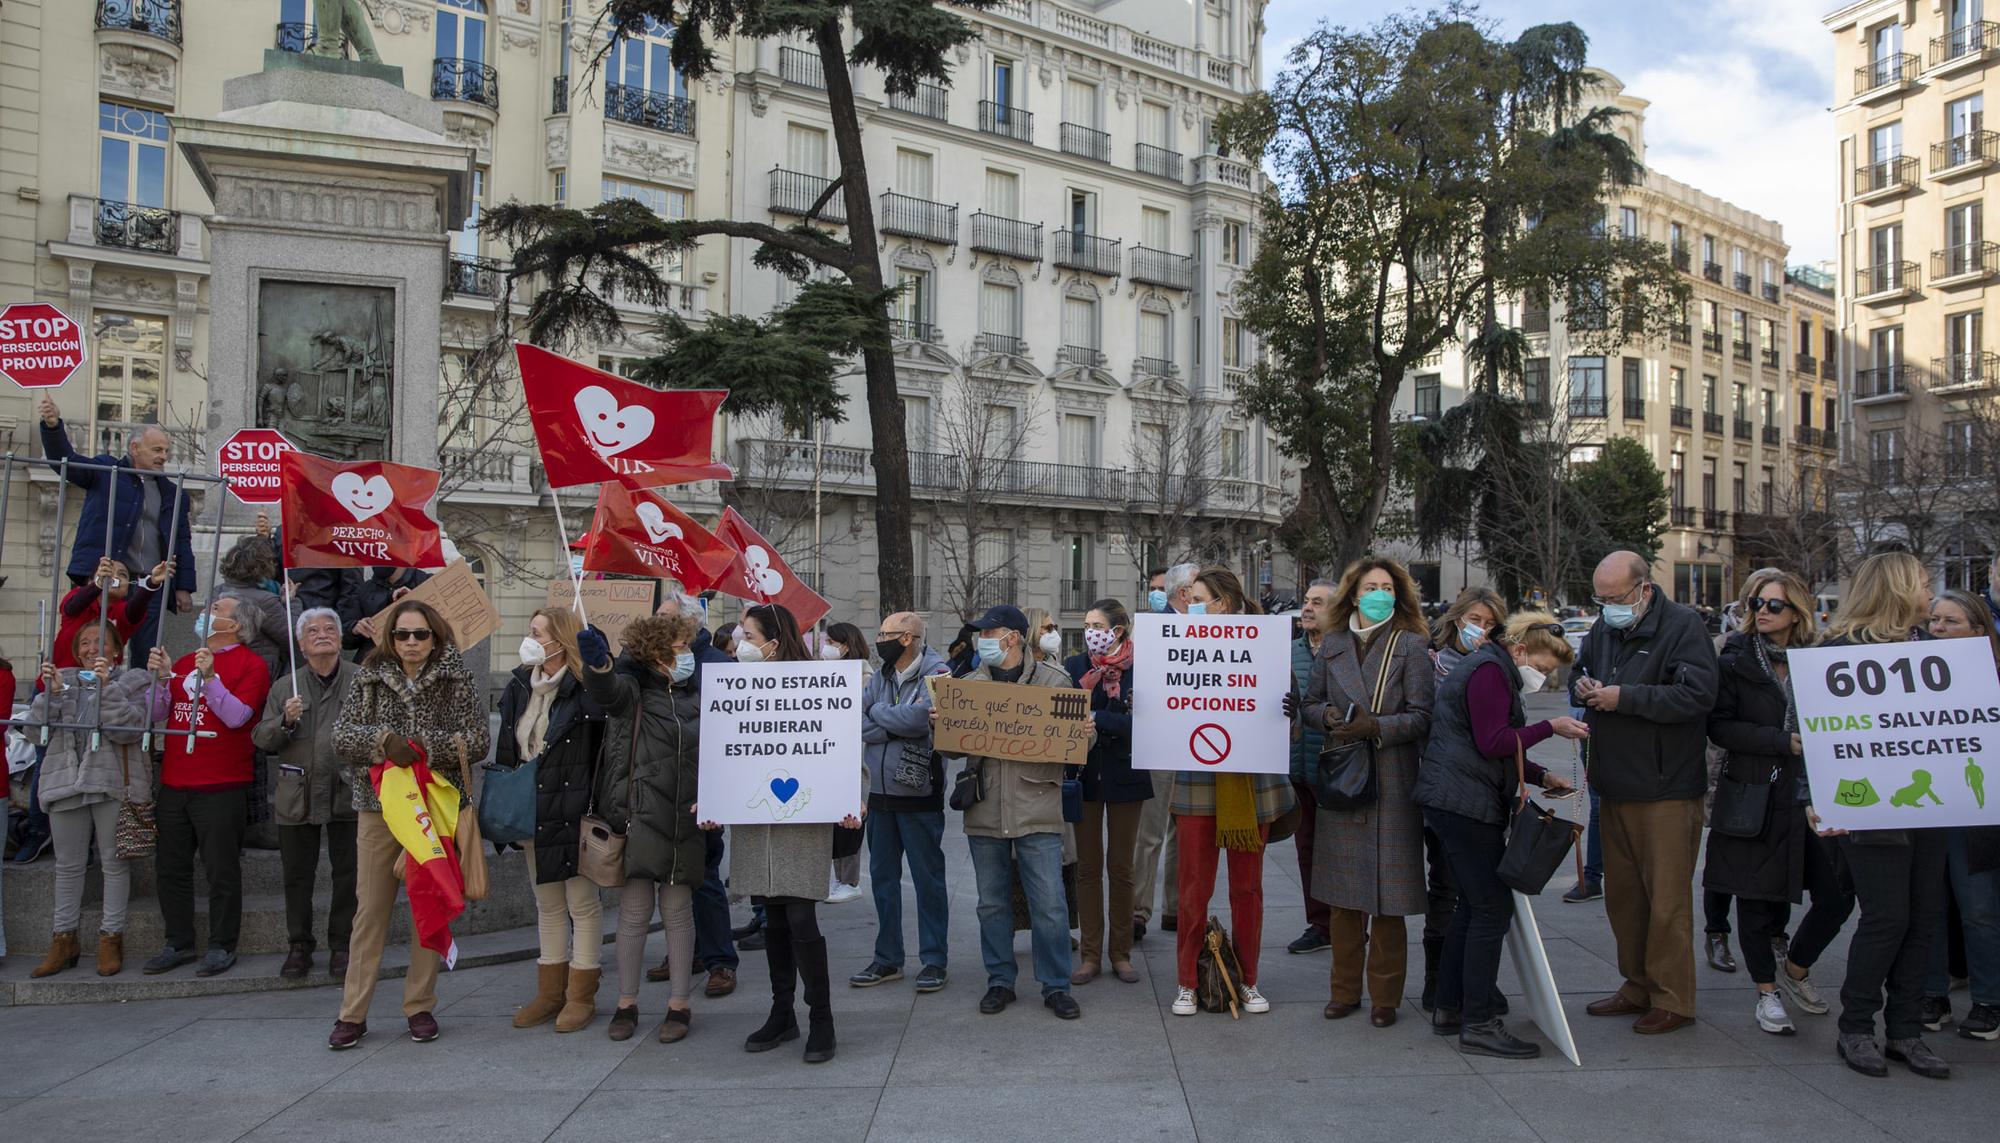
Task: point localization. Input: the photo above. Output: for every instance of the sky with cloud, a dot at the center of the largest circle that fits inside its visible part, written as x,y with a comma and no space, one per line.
1739,90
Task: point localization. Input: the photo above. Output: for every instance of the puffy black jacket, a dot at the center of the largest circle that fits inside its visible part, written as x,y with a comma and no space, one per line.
1653,747
1452,774
1748,722
1108,775
566,774
646,786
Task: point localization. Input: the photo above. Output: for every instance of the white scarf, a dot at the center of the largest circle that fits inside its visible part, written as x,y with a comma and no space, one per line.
531,730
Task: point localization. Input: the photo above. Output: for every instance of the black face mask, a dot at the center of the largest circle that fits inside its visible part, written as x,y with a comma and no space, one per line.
890,651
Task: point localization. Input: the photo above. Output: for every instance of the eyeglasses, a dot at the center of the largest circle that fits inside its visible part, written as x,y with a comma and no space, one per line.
1628,597
1774,606
412,634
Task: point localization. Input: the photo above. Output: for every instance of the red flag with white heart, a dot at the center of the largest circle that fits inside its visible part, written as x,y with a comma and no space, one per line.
357,514
637,532
594,426
761,577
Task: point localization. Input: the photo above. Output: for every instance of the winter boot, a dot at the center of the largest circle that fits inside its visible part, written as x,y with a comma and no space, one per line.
783,1023
819,1000
580,1005
63,953
550,981
110,954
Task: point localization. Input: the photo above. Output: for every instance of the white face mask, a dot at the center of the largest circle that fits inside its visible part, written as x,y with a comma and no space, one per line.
1532,680
1051,643
748,652
832,651
532,652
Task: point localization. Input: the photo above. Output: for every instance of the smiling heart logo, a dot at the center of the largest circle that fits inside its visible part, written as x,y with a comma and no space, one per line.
758,574
610,427
784,789
659,529
364,498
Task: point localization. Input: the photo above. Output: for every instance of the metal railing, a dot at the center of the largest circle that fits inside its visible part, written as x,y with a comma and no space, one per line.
1012,122
1711,340
1588,406
1899,173
1150,160
559,96
160,19
1771,435
1829,439
1973,258
1076,250
655,109
1683,516
796,65
1010,237
296,38
1804,363
1715,519
1088,142
1535,321
1712,271
1003,343
1888,278
1680,416
1745,430
1160,268
919,218
1806,436
1635,409
913,328
465,81
930,100
1886,72
1711,423
1829,369
795,193
1880,381
1740,350
1742,283
1970,149
1153,366
1683,258
133,227
1087,356
472,277
1975,367
1078,594
1772,292
1681,334
1770,356
1969,40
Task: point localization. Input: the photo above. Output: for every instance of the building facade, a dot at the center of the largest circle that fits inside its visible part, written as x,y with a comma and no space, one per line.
1916,277
1066,240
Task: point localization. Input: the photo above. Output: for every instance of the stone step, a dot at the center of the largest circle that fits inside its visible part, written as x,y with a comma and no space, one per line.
263,872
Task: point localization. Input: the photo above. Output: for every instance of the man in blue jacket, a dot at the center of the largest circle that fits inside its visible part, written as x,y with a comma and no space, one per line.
140,511
905,803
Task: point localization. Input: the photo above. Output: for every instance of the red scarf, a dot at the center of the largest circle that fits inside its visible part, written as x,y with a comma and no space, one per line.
1110,669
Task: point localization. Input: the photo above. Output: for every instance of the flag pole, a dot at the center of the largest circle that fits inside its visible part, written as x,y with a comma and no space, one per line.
291,640
575,576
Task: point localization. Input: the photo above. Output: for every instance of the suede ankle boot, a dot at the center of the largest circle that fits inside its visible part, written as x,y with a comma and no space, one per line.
580,1000
62,954
550,981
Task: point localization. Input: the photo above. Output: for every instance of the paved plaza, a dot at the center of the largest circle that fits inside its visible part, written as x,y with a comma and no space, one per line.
929,1068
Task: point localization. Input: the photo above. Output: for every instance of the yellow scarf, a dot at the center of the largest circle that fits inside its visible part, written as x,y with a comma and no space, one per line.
1236,813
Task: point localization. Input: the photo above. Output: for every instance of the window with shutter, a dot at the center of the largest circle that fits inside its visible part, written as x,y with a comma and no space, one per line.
805,149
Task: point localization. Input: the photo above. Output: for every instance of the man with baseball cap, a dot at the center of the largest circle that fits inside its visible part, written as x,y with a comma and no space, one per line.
1018,818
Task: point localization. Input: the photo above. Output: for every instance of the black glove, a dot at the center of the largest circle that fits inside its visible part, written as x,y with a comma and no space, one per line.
1291,705
593,648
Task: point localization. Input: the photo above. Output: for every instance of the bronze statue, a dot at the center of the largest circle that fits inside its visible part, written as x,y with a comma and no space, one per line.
340,23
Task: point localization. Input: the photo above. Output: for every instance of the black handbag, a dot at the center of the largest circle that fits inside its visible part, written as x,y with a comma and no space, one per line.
965,789
1537,842
1072,800
1742,809
1346,778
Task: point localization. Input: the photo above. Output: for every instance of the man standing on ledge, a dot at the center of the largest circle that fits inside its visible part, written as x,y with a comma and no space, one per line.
1646,681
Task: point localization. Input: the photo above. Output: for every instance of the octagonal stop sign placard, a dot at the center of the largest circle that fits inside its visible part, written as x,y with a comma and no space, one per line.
40,347
249,458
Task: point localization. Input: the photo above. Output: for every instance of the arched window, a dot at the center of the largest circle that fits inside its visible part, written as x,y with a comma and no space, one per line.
461,30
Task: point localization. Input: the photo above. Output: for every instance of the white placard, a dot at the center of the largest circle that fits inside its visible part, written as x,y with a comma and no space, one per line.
1538,980
1208,693
780,742
1901,735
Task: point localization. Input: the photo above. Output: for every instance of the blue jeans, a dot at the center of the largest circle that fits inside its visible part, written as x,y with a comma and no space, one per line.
1978,896
893,836
713,947
1040,863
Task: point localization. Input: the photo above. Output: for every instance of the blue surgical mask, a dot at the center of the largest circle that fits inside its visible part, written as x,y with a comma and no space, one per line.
989,651
1156,599
1197,609
1470,635
1377,605
86,677
201,626
1619,616
683,666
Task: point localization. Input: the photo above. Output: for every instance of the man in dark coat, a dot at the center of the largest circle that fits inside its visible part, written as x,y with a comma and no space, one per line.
375,591
1646,680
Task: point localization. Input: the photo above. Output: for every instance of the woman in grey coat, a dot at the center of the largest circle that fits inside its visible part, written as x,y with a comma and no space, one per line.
786,865
1368,862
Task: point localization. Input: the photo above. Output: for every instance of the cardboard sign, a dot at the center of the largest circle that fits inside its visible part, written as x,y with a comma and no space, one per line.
780,742
455,594
1208,693
1011,721
1901,735
610,604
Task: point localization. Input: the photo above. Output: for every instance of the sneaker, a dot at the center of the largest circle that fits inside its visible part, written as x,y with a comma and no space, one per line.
1936,1013
1184,1004
423,1028
167,960
1313,940
995,1001
215,962
1771,1015
1253,1000
32,849
932,978
840,893
874,974
1585,890
346,1034
1982,1023
1804,996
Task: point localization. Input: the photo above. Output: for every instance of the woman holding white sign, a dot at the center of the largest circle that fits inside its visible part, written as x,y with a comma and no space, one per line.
1898,875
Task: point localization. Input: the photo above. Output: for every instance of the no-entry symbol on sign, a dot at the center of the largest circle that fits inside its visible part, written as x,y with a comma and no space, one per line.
40,347
1209,744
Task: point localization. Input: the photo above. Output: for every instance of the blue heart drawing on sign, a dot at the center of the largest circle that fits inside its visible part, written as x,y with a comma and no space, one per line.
784,788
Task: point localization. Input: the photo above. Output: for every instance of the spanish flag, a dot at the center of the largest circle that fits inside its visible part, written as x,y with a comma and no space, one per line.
421,810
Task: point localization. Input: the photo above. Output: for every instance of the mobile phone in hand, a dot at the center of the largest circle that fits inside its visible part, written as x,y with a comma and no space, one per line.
1349,716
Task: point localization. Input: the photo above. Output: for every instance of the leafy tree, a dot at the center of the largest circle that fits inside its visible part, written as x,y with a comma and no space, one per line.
1626,497
585,255
1425,171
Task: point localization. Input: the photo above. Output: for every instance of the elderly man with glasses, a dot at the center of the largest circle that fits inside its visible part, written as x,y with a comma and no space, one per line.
1646,680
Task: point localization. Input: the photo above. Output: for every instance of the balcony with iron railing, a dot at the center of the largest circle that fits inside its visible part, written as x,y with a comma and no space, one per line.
1535,321
1076,250
129,226
1715,519
799,66
1588,405
1079,356
1957,373
930,100
1680,416
1144,367
1963,265
1712,271
1683,516
1740,350
1771,435
1078,594
1965,154
1005,344
1829,439
1681,334
1711,341
1881,382
795,193
921,218
1009,122
1888,281
1964,46
1745,430
559,95
1805,436
1087,142
159,19
1885,178
1770,356
1007,237
1635,408
1683,258
465,81
296,38
1829,369
471,276
913,329
1772,292
1742,283
1885,76
1160,268
1711,423
658,110
1158,161
1804,363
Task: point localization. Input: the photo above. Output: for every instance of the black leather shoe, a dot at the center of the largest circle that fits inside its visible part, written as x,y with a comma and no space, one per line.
995,1000
298,962
1719,957
1063,1005
1493,1039
1446,1022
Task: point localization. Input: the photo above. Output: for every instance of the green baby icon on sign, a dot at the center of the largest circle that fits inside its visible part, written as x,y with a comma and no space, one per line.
1912,795
1856,792
1975,778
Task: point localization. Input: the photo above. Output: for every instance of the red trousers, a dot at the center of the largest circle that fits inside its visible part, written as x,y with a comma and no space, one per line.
1197,885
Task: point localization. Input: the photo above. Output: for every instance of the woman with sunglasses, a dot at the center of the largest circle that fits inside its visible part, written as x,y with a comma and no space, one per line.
1756,724
413,690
